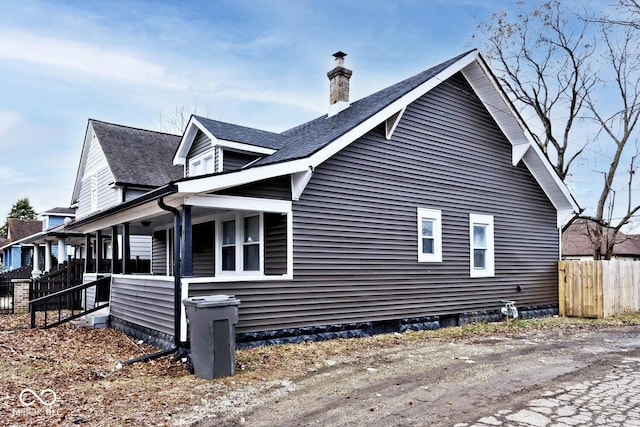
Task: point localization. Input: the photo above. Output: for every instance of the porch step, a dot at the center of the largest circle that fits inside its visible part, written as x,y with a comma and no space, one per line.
96,320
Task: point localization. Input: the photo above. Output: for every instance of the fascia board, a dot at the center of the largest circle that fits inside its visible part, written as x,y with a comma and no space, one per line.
185,143
244,147
239,203
543,166
517,133
149,208
244,176
75,195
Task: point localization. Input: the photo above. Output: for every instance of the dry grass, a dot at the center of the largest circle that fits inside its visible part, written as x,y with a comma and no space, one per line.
80,366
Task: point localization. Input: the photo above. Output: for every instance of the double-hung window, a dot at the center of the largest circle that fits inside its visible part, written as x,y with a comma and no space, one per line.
481,246
240,246
429,235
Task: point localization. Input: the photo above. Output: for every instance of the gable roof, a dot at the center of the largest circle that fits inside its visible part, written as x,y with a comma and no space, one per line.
308,138
60,212
18,229
576,241
313,142
230,135
136,157
298,151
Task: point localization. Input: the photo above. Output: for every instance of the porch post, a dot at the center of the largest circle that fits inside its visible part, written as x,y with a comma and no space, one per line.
36,261
47,256
187,247
62,251
114,249
126,248
88,255
98,250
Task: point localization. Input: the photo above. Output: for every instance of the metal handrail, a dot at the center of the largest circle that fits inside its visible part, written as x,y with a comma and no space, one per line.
65,293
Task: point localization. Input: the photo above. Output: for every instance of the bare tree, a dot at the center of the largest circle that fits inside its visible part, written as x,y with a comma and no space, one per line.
176,121
563,68
542,57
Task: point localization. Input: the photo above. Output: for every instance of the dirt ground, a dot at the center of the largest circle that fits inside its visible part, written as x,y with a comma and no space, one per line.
417,378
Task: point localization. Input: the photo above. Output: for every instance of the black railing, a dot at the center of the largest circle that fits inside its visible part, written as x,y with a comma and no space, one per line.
6,296
17,273
93,295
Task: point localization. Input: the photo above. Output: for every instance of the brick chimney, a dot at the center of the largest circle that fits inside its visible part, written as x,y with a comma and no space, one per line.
338,85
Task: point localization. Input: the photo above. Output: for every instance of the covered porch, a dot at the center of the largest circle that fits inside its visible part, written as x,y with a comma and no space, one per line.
196,242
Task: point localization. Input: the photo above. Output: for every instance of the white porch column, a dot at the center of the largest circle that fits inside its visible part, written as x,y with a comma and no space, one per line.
47,256
36,261
62,251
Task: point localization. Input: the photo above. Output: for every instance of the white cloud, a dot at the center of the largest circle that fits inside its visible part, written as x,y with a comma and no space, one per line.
8,121
83,58
12,176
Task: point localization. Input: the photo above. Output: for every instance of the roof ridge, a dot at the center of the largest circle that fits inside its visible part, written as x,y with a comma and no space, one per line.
132,127
237,125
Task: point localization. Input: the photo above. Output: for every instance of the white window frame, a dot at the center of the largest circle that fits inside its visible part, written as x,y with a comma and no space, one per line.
435,216
239,245
486,221
196,164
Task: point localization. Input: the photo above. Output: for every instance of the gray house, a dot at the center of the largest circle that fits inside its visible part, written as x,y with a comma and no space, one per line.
119,163
425,203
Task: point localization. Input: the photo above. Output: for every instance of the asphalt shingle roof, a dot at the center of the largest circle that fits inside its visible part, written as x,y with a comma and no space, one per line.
576,241
243,134
138,156
308,138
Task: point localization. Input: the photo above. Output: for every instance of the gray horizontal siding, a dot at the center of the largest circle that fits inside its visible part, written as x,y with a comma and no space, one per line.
355,243
203,254
144,302
159,252
234,160
276,188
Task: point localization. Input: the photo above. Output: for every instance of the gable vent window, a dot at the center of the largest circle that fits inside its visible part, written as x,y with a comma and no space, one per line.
201,165
429,235
481,246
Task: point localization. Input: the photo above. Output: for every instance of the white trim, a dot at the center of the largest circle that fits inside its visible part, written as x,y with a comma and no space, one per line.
518,152
489,270
299,181
184,294
189,136
238,244
336,107
435,216
246,148
392,122
209,154
239,203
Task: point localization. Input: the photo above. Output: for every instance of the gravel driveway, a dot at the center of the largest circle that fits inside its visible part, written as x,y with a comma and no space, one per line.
431,382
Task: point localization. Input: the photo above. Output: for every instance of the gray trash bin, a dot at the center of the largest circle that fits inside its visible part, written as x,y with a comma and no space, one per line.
212,321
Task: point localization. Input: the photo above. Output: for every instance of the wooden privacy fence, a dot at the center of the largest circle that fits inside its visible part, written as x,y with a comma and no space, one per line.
598,288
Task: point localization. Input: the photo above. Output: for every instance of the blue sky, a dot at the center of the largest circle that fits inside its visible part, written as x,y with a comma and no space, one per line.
256,63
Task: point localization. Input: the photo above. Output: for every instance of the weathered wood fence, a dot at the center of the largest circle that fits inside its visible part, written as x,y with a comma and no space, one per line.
598,288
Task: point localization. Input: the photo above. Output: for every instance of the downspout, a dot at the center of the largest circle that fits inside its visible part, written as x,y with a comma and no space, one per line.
176,291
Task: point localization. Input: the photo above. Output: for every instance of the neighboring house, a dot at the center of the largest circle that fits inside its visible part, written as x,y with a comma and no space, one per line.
425,203
15,252
117,164
577,243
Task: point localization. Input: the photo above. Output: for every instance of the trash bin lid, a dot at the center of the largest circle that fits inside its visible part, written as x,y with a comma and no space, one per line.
211,301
